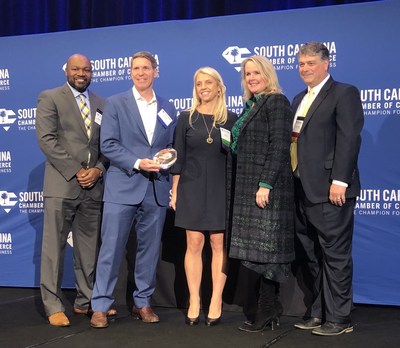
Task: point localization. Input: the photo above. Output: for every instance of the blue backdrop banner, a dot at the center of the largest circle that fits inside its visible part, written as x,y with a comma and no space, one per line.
364,52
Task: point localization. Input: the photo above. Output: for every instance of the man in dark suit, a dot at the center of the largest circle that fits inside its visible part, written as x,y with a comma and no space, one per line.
68,122
327,138
136,125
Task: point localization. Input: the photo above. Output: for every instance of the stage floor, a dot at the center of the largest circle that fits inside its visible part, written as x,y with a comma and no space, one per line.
23,324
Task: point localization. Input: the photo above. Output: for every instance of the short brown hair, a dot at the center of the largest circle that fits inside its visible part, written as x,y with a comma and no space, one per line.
146,55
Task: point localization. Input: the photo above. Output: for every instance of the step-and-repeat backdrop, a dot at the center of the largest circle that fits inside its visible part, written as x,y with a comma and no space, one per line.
363,43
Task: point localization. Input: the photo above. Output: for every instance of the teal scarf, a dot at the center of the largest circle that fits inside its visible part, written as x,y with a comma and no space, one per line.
237,127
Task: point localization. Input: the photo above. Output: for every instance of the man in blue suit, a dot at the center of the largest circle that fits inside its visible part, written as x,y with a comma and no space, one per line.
136,125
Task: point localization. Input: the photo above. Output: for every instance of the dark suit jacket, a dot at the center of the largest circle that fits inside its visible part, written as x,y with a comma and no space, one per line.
124,140
63,139
329,141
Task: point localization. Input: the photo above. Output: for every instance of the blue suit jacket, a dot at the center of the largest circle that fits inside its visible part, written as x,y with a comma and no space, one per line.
123,141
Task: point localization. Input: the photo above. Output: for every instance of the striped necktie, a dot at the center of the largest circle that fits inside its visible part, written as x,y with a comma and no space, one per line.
85,112
293,147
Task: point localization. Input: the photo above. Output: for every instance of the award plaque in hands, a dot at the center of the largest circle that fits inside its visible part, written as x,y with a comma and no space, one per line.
165,158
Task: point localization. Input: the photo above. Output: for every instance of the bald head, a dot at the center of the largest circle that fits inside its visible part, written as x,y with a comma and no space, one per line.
79,72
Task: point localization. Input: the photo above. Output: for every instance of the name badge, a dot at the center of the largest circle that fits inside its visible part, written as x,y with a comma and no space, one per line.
297,126
98,117
164,118
225,138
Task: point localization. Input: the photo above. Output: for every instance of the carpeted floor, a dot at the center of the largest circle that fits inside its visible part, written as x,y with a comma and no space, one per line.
23,324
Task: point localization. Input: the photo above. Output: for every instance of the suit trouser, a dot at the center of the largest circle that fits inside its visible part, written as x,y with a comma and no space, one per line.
81,216
325,233
117,223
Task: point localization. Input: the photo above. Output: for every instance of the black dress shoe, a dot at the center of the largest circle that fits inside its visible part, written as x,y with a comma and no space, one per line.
213,322
332,329
309,324
192,321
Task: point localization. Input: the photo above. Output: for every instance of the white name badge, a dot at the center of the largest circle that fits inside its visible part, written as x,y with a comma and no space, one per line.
164,118
225,136
297,126
98,117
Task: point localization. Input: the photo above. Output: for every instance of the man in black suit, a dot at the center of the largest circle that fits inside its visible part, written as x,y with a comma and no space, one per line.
325,145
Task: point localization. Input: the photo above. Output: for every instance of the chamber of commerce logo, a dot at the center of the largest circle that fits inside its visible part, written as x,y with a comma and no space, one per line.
381,101
7,200
6,119
373,201
5,243
4,80
235,55
5,162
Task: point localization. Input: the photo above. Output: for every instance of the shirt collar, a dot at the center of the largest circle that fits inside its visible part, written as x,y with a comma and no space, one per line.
77,93
137,96
318,87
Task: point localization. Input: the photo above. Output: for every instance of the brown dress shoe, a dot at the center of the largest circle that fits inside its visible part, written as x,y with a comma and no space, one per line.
111,312
99,320
81,311
145,314
59,319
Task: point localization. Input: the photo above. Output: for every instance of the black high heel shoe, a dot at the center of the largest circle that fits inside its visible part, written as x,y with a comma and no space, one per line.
269,309
257,327
192,321
213,322
253,326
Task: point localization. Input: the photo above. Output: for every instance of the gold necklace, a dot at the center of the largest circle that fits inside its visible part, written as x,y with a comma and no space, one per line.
209,139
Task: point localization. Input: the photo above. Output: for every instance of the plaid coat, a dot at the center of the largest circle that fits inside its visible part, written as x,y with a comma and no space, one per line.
263,155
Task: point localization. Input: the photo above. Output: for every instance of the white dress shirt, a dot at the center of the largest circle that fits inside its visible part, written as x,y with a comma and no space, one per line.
148,113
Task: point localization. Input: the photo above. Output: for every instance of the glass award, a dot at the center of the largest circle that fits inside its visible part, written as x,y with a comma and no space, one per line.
166,158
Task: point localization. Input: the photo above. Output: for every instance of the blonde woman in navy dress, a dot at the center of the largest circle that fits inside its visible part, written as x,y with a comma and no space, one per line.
202,139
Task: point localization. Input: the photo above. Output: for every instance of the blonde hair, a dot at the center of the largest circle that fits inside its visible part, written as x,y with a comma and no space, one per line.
267,72
220,113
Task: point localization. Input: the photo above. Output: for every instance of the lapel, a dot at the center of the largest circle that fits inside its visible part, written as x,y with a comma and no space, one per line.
133,114
253,111
159,129
317,101
93,111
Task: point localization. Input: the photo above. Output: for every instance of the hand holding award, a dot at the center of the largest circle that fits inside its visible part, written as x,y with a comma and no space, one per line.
166,158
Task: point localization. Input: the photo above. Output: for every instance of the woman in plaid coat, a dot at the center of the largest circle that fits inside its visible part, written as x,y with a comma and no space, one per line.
260,187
